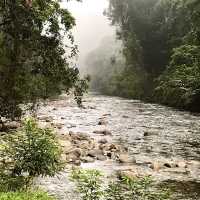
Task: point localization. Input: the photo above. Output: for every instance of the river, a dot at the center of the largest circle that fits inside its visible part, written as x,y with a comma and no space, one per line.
152,133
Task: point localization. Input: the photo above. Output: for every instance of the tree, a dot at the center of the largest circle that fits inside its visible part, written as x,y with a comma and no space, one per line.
29,153
180,86
154,33
194,7
33,57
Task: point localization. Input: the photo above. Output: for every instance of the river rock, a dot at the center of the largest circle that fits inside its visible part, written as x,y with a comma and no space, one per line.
103,141
74,156
146,134
77,152
58,125
1,127
66,145
150,133
182,164
102,122
12,125
3,133
125,158
79,136
71,158
103,132
63,157
156,166
107,114
86,145
127,173
170,165
101,157
92,107
114,148
46,118
87,159
94,153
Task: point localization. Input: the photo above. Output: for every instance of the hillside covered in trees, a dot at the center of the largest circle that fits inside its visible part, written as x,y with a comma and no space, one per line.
161,47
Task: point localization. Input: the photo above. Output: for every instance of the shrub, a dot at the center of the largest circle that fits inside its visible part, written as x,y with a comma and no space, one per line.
29,153
88,183
137,188
25,196
13,183
91,187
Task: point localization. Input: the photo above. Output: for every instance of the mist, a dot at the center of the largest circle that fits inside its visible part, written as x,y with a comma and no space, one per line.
91,25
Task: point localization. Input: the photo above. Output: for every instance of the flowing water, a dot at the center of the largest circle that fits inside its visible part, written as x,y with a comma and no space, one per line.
152,134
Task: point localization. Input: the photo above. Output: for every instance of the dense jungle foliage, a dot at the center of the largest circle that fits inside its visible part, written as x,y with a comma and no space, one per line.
161,41
34,61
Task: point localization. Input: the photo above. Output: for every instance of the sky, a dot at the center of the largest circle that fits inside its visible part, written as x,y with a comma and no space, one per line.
91,25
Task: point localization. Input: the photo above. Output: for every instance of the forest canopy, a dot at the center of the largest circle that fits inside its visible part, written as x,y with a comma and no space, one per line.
34,60
161,43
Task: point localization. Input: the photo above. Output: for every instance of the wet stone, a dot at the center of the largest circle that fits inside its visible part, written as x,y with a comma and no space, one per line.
102,122
103,132
103,141
125,158
87,159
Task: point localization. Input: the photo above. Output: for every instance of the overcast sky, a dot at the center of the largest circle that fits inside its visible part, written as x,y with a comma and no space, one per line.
91,25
